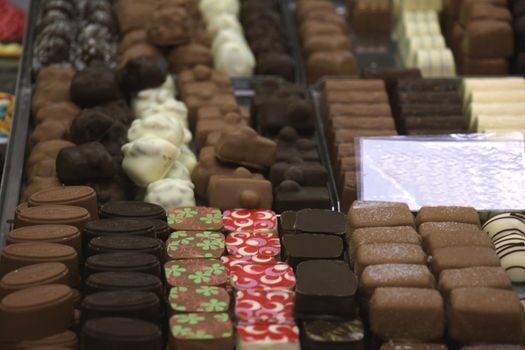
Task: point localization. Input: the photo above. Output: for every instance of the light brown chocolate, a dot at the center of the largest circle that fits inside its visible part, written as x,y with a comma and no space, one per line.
461,257
388,253
371,235
53,214
80,196
428,229
378,214
207,167
34,275
490,277
63,234
466,215
451,239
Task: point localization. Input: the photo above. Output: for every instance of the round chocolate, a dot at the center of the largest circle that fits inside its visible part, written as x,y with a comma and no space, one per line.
122,303
64,340
63,234
80,196
110,227
120,333
53,214
161,228
108,281
36,312
18,255
122,262
132,209
34,275
130,244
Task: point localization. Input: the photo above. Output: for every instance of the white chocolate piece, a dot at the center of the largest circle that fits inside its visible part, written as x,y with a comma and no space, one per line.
502,222
148,159
235,59
173,109
420,28
187,158
223,21
418,5
435,63
146,98
414,17
503,96
211,8
158,125
491,84
476,109
410,46
179,172
171,193
226,36
494,122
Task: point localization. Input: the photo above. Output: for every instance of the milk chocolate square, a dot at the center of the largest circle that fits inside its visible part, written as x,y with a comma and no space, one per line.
490,277
466,215
407,313
388,253
460,257
435,228
485,315
325,287
451,239
376,214
488,39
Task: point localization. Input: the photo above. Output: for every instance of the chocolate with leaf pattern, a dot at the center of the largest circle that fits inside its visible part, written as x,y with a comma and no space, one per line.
195,219
198,272
184,299
195,245
211,331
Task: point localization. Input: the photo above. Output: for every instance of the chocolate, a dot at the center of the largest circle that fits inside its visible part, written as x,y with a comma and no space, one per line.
18,255
124,333
34,275
428,85
428,229
253,243
64,340
375,214
292,148
464,215
118,227
143,72
488,39
110,281
310,246
52,214
407,313
394,275
371,235
47,150
332,334
245,147
325,287
277,306
111,244
26,308
321,221
290,195
189,56
94,86
273,63
486,277
195,219
493,347
160,228
451,239
461,257
198,272
195,244
205,331
412,346
287,222
80,196
52,86
121,303
122,262
261,273
184,299
132,210
372,17
63,234
49,130
321,64
84,163
388,253
169,25
305,173
38,184
254,220
485,315
207,167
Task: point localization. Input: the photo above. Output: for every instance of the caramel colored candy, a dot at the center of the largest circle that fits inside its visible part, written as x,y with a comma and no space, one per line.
490,277
466,215
375,214
64,340
18,255
80,196
34,275
461,257
53,214
36,312
63,234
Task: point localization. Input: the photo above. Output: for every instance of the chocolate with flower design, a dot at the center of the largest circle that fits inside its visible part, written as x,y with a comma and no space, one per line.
195,219
195,245
183,299
205,272
201,331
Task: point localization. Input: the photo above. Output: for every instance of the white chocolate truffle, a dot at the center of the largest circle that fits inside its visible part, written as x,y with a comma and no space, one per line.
226,36
171,193
435,63
179,172
211,8
224,21
476,109
502,222
160,126
501,96
235,59
171,108
146,98
491,84
148,159
187,158
495,122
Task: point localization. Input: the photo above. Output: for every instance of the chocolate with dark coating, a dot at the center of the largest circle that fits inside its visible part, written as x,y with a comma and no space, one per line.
122,262
143,72
287,222
132,210
310,246
321,221
336,335
290,195
94,86
111,244
118,227
109,281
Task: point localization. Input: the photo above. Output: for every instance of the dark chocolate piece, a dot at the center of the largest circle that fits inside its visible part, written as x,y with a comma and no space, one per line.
109,281
118,227
122,262
305,173
290,195
94,86
143,72
132,209
309,246
287,222
336,335
111,244
321,221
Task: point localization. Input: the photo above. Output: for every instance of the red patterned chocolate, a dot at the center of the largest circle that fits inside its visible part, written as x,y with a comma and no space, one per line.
264,306
258,276
196,272
195,245
236,260
249,220
267,333
184,299
253,243
195,219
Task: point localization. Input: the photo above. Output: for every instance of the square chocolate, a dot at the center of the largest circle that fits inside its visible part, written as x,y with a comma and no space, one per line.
262,336
407,313
262,276
375,214
490,277
460,257
249,220
466,215
264,306
310,246
183,299
451,239
435,228
195,245
485,315
287,222
333,334
195,219
388,253
370,235
195,272
253,243
195,331
488,39
325,287
321,221
235,260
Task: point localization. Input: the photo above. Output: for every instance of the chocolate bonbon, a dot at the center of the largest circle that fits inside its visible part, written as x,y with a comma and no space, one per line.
489,277
201,330
253,243
195,219
80,196
262,276
464,215
109,281
328,334
317,293
63,340
374,214
249,220
63,234
52,214
195,245
117,262
253,336
371,235
321,221
459,257
309,246
109,244
132,209
275,306
388,253
34,275
207,272
188,299
117,227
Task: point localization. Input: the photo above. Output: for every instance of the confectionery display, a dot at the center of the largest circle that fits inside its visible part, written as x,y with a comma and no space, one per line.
190,176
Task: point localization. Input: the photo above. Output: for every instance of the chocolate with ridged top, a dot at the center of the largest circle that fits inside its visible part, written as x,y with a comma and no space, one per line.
132,209
117,262
34,275
109,281
80,196
119,227
111,244
63,234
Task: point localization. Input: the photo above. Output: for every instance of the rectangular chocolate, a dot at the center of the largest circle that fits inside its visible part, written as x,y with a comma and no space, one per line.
451,239
426,97
435,228
452,122
352,97
430,110
310,246
466,215
372,110
345,135
371,235
388,253
429,85
358,122
460,257
354,85
332,334
377,214
489,277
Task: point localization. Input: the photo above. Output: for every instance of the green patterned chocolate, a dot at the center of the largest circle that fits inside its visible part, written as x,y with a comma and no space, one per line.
195,272
184,299
195,245
201,326
195,219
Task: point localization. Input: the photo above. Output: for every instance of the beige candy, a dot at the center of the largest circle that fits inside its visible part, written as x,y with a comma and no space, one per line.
476,109
435,63
187,158
491,84
482,96
161,126
179,172
235,58
410,46
211,8
221,22
494,122
171,193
